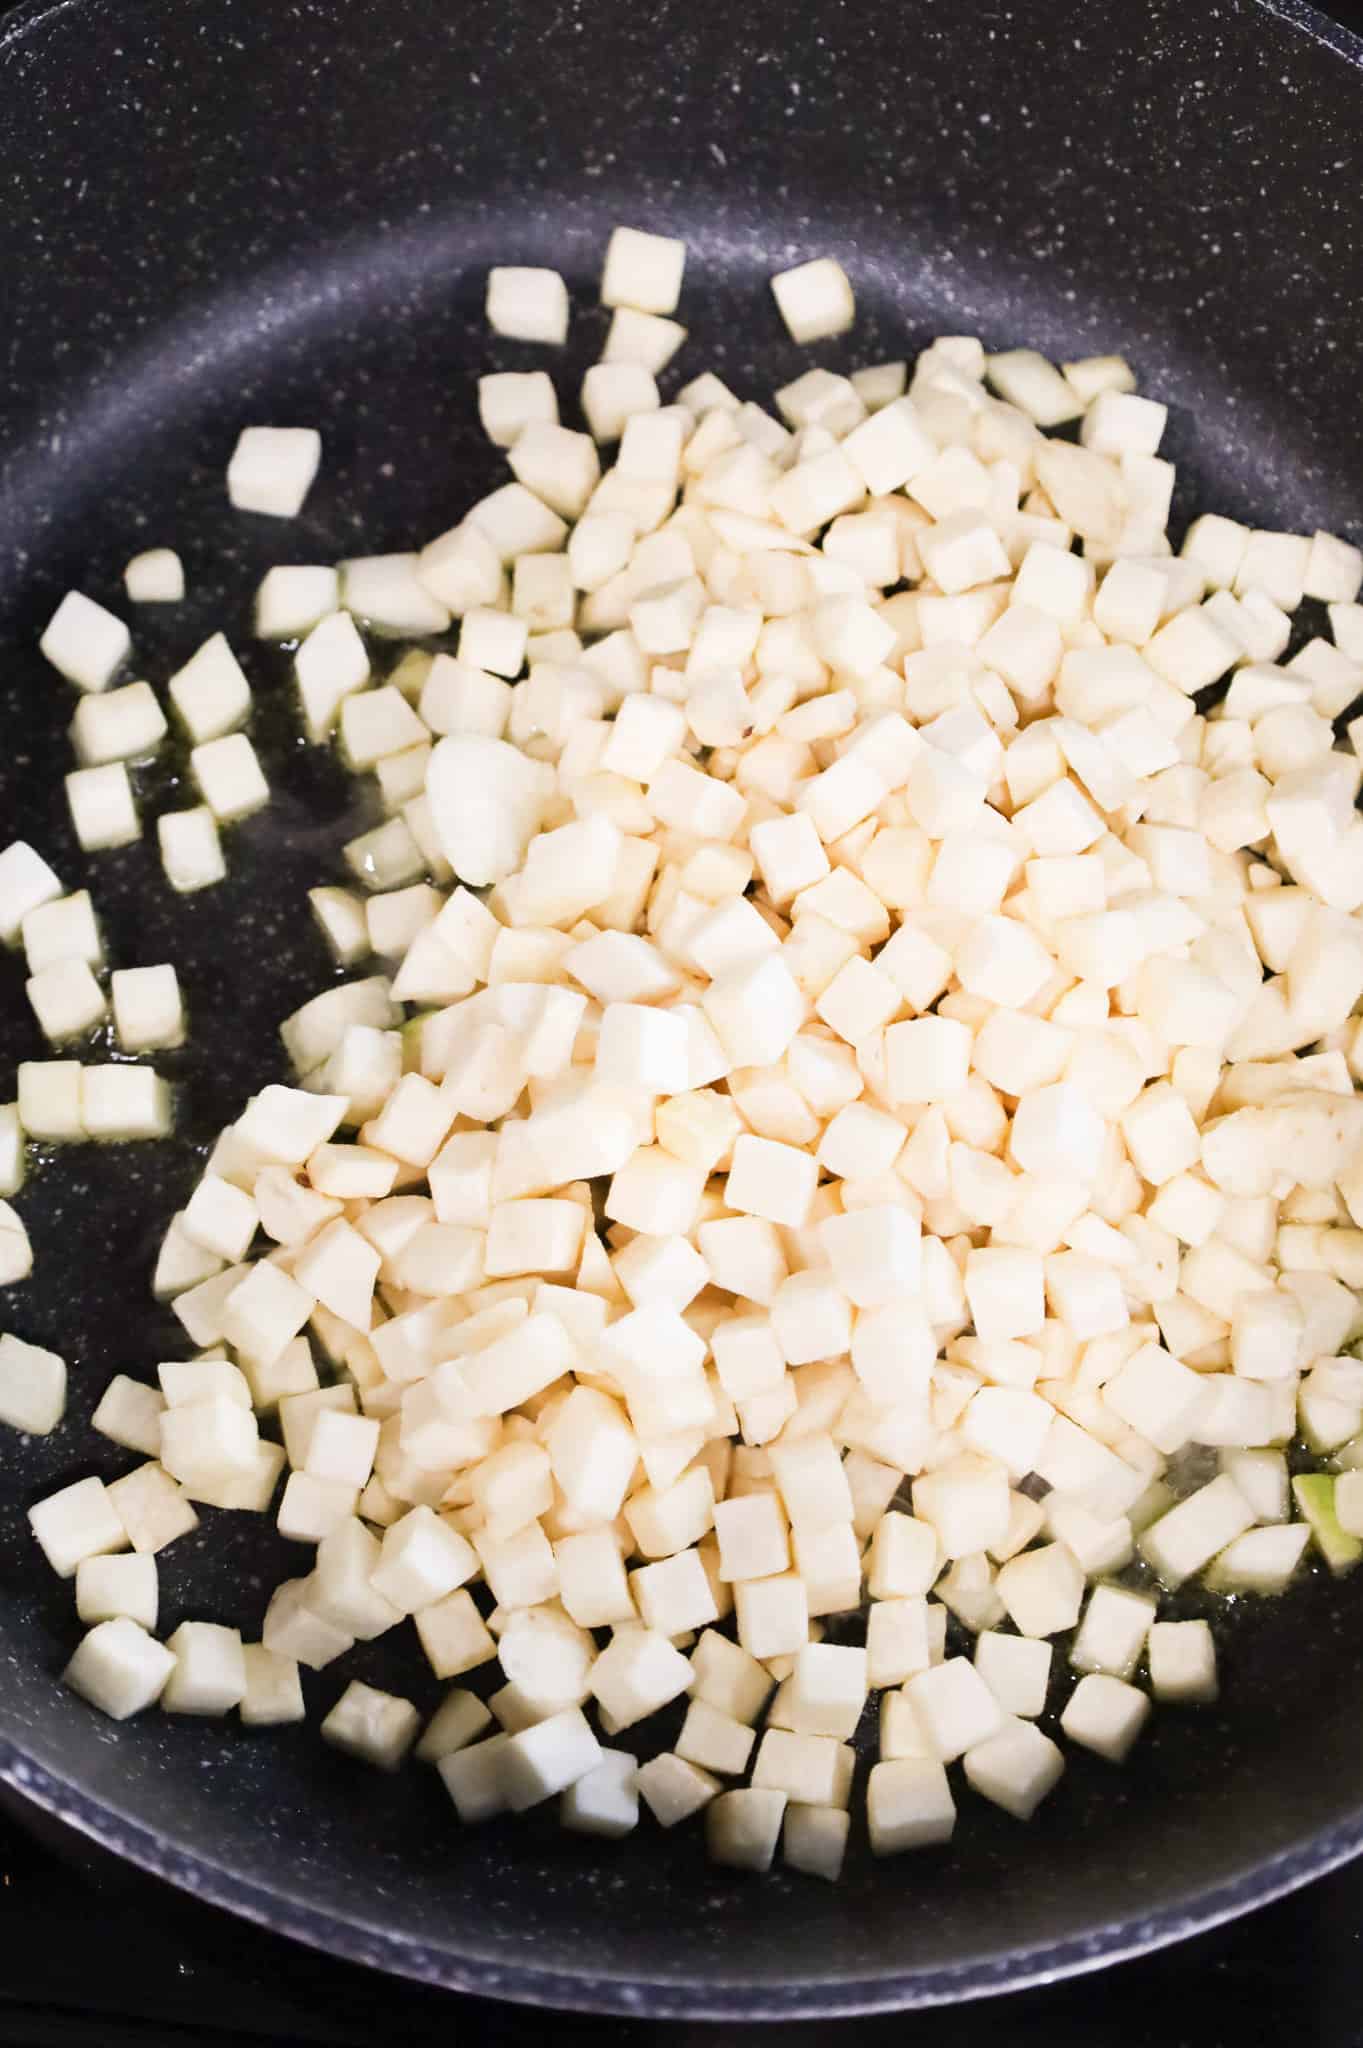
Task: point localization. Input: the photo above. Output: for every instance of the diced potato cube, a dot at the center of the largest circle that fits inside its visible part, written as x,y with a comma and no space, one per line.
375,1726
119,1668
908,1805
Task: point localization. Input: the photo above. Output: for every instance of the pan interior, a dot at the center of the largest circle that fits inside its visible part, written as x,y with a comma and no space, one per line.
364,317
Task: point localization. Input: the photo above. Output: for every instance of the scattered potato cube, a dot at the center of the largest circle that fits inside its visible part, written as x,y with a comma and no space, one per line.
119,1668
375,1726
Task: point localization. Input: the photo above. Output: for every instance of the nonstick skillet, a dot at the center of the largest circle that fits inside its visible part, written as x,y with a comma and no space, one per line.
223,211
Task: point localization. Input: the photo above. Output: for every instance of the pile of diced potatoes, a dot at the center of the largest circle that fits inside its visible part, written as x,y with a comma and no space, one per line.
840,1173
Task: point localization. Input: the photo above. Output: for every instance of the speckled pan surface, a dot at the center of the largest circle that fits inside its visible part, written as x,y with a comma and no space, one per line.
219,211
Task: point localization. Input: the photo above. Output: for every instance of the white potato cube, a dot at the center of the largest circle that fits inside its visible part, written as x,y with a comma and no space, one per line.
903,1557
814,299
376,724
117,725
50,1100
230,777
210,693
1016,1669
191,852
1015,1768
342,1590
27,883
460,1717
422,1560
809,1474
311,1508
1009,1424
32,1387
954,1706
1113,1632
64,929
674,1789
1056,1133
1005,1288
1105,1715
897,1640
966,1502
210,1670
874,1253
789,855
119,1103
1267,1331
1120,423
375,1726
614,393
604,1800
1042,1590
674,1594
891,448
473,1778
810,1318
1189,1535
13,1160
220,1217
341,1448
1334,570
527,304
509,400
77,1522
773,1615
265,1312
273,1692
148,1011
103,809
754,1541
1182,1658
110,1586
643,271
637,1673
807,1766
814,1840
203,1379
292,1629
927,1059
900,1733
908,1805
155,577
1260,1561
639,1047
742,1828
635,337
714,1741
668,1270
827,1691
454,1636
209,1443
728,1678
1158,1396
272,469
85,643
330,666
66,999
152,1508
293,599
119,1668
770,1180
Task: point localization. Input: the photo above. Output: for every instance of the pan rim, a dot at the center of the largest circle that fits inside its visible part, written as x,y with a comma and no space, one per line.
1020,1967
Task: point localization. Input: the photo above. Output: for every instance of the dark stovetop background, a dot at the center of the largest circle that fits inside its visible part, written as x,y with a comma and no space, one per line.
99,1957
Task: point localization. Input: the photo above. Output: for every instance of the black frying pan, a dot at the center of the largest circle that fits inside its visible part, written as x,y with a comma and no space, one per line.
220,211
